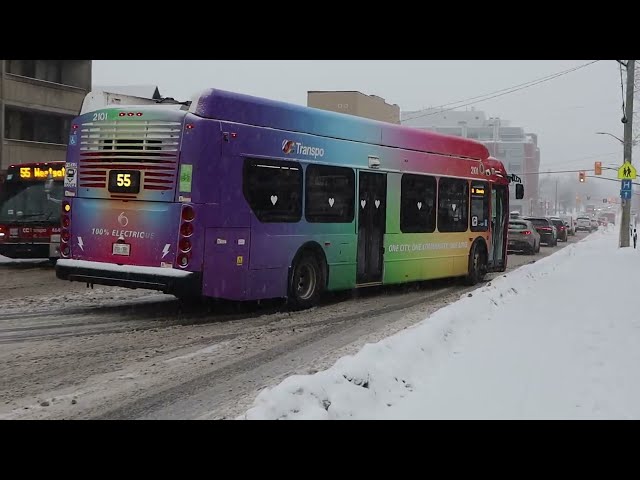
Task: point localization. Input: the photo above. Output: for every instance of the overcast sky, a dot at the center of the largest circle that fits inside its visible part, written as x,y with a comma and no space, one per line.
565,112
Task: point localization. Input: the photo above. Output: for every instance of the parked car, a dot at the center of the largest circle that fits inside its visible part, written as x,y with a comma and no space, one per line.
523,237
584,224
546,230
515,214
561,228
594,225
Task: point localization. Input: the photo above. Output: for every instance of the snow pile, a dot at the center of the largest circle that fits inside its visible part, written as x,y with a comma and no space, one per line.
554,339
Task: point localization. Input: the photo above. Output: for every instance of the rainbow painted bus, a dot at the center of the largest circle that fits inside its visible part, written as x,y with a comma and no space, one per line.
242,198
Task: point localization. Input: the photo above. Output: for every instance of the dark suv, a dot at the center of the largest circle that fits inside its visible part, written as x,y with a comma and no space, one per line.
561,228
546,229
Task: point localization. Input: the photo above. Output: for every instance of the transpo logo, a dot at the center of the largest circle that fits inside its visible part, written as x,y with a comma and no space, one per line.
288,146
123,220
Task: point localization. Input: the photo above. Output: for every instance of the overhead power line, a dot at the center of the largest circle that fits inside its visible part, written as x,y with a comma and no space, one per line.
499,93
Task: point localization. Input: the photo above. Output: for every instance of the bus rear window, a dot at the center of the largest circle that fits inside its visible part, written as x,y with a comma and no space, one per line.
273,189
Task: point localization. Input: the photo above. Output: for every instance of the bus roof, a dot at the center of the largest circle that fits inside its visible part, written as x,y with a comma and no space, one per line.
250,110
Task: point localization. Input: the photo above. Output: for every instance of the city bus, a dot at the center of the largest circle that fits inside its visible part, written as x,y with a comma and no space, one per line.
30,199
241,198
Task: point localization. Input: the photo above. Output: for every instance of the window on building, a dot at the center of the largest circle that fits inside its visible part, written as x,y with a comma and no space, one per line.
417,204
453,205
330,194
49,70
273,189
479,206
35,126
25,68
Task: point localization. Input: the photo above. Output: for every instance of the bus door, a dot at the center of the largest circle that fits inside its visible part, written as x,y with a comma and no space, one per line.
372,207
498,219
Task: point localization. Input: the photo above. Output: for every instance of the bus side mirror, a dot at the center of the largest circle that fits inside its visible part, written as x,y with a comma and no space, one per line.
519,191
48,185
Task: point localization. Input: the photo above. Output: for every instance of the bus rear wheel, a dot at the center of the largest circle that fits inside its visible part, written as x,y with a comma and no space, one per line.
306,282
477,265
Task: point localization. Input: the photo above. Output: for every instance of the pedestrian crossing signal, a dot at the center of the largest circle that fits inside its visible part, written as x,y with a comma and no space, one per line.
582,177
598,168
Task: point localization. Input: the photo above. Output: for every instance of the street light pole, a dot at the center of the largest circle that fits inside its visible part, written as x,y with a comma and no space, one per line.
628,133
611,135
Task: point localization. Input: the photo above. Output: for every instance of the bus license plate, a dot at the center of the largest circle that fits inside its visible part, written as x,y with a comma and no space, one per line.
121,249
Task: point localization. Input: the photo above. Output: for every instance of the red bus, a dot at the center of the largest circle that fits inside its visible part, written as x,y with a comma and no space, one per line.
30,199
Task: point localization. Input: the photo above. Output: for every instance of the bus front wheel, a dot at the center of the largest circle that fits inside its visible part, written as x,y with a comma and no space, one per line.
306,282
477,265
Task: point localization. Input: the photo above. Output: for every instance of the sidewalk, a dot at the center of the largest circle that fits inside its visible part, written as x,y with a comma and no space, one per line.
557,339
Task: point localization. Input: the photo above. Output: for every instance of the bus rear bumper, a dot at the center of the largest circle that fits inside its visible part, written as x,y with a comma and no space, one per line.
25,250
166,280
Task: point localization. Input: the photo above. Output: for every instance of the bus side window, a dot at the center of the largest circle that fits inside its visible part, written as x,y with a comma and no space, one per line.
330,194
273,189
479,206
417,201
453,198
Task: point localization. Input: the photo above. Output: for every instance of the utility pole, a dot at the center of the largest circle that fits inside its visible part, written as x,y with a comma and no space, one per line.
628,138
3,65
556,196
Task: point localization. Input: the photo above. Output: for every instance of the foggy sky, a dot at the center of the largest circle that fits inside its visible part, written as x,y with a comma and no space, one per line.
565,112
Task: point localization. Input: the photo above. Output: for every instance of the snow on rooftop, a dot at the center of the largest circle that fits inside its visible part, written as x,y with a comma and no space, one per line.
142,91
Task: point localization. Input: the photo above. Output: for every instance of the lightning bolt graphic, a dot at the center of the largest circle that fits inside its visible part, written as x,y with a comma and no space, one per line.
80,243
165,250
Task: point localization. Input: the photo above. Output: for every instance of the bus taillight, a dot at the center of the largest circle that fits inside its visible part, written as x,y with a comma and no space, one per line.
64,250
186,230
66,207
188,213
65,235
185,245
66,221
183,260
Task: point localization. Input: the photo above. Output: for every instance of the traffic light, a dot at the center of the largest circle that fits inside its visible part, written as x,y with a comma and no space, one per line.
582,177
598,168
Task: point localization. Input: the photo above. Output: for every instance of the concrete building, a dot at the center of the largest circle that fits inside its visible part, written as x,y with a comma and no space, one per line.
517,149
355,103
38,100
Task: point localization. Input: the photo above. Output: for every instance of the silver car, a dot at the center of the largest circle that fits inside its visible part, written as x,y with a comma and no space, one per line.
523,237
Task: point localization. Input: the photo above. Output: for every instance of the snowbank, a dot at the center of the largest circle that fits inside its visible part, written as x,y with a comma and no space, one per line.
554,339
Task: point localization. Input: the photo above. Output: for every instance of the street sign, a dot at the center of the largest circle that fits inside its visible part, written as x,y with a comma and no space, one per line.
625,194
627,172
626,185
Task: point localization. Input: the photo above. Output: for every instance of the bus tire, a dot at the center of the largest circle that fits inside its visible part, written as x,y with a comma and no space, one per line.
477,264
306,281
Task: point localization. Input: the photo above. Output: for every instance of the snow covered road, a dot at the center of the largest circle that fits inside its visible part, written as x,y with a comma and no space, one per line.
69,352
